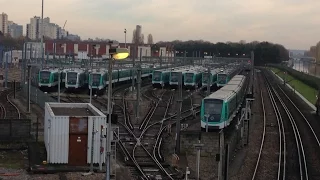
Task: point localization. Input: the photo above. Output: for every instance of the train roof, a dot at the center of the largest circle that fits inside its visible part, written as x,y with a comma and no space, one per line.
76,70
50,70
226,91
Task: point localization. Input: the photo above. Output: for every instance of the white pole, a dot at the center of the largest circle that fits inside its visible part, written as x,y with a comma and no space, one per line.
90,87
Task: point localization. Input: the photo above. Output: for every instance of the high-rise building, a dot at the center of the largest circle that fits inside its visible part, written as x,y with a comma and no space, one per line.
4,23
15,30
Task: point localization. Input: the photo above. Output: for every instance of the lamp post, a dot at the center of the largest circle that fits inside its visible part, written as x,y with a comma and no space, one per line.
42,34
125,38
115,54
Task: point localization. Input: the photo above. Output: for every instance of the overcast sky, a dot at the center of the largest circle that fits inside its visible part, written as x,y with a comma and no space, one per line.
293,23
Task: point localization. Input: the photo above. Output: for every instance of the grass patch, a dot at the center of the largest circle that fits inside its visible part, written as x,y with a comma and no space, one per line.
12,159
306,91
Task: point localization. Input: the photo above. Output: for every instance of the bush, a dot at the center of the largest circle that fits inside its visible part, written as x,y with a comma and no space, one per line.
309,80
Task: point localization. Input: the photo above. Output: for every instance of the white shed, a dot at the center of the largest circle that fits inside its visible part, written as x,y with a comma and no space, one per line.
68,133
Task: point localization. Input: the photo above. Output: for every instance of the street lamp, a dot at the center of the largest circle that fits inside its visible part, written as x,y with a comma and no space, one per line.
115,54
42,34
125,38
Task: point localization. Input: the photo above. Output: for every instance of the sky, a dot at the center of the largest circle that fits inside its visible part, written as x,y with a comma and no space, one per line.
292,23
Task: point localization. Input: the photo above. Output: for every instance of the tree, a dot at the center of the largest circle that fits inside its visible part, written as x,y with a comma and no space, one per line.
141,40
134,38
265,52
150,39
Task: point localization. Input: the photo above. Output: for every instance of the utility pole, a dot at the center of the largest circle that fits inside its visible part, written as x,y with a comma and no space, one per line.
90,79
42,34
6,78
221,149
59,82
209,81
179,115
161,58
125,38
29,88
198,147
133,68
108,155
138,92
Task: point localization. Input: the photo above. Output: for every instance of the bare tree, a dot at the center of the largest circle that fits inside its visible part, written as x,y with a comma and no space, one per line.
150,39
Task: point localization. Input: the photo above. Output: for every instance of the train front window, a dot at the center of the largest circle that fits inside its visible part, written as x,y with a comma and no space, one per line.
222,78
156,76
213,108
189,77
95,79
44,76
72,78
174,76
205,77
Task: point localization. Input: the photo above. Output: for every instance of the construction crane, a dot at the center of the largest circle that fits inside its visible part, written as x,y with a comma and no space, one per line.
65,24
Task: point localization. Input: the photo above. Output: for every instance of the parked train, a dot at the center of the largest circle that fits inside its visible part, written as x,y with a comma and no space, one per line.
100,78
219,108
160,78
192,78
174,76
76,79
212,77
224,76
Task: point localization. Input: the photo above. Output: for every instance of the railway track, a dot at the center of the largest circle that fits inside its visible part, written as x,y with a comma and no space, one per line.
292,162
273,138
8,109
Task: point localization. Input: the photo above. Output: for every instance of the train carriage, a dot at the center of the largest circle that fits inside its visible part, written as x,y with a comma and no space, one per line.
192,79
76,79
160,77
174,77
224,76
212,78
219,108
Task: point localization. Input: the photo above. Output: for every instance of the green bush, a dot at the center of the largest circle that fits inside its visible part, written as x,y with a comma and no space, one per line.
309,80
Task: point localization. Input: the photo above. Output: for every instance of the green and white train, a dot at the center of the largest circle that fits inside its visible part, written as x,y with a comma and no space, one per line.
212,77
225,75
48,78
192,77
219,108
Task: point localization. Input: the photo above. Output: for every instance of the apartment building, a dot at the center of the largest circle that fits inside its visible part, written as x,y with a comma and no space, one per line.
4,23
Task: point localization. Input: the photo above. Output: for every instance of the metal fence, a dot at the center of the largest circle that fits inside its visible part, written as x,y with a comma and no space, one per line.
37,96
15,129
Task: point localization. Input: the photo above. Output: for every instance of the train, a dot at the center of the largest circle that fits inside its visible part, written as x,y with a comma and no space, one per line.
174,76
224,76
219,108
100,78
192,78
212,77
160,78
76,79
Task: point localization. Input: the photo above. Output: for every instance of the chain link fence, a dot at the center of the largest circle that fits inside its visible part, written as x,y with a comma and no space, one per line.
37,96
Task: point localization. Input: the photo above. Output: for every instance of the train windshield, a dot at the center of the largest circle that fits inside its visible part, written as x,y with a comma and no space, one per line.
222,78
156,76
72,78
205,77
174,76
96,79
44,75
189,77
213,108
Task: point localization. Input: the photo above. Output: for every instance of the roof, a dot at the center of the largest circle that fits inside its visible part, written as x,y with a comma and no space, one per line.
228,90
62,111
76,70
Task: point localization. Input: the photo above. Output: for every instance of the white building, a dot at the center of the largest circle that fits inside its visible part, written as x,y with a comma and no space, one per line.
50,30
4,23
15,30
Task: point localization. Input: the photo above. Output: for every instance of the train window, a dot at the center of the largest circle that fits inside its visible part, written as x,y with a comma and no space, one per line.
156,76
45,74
189,77
174,76
1,77
213,107
222,78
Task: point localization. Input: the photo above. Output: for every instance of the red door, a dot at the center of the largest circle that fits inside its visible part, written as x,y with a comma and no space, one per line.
78,149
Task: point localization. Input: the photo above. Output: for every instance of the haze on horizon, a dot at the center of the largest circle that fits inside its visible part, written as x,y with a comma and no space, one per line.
292,23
